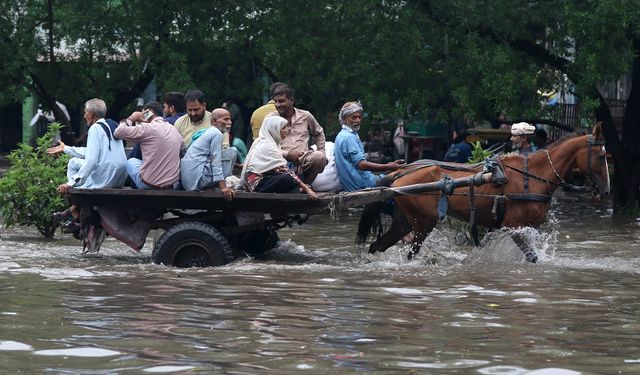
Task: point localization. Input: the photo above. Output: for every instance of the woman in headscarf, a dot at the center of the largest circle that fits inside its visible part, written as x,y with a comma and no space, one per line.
265,169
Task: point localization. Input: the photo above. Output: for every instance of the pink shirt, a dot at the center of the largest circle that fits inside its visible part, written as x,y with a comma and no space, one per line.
161,145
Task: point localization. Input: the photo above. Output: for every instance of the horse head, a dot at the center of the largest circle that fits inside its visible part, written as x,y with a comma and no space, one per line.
592,161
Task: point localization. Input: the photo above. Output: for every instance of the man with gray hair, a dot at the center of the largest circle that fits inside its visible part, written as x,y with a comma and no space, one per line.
101,164
353,170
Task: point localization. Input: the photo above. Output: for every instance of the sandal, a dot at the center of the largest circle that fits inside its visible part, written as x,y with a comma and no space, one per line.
70,226
63,216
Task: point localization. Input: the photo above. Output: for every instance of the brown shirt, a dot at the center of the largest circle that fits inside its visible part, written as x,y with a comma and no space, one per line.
303,126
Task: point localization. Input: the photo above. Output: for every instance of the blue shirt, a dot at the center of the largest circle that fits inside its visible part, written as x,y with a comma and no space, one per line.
348,152
458,153
204,153
105,161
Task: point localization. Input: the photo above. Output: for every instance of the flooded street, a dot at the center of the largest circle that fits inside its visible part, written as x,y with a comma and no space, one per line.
318,304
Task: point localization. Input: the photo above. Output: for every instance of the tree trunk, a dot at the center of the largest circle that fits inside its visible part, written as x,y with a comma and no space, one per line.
123,98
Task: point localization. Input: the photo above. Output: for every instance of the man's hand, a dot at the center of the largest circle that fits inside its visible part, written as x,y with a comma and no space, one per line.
229,193
392,166
63,189
294,156
56,150
136,117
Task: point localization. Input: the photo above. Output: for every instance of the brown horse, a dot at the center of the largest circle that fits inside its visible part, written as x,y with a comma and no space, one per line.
522,201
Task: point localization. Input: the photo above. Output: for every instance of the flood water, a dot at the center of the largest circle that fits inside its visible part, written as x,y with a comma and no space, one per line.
318,305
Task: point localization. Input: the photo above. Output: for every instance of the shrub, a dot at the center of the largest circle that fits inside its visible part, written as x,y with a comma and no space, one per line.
28,190
478,154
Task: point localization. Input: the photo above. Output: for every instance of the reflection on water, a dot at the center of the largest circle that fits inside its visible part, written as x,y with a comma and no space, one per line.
317,304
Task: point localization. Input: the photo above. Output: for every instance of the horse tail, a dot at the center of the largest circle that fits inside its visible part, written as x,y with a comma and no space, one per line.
372,216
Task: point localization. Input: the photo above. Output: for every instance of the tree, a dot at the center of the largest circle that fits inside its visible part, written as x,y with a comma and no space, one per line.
501,52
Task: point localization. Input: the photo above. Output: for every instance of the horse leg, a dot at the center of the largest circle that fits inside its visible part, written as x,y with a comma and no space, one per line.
421,233
529,253
399,228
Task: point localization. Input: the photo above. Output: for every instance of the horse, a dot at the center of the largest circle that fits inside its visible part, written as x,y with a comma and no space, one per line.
523,200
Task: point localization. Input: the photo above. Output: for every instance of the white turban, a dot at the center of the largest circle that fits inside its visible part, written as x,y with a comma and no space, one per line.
522,128
349,108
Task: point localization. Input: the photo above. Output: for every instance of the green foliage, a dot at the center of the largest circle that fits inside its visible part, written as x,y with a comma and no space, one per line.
28,190
478,154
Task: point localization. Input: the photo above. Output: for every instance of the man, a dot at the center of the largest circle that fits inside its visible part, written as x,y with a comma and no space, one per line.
521,134
197,117
161,146
173,106
540,139
207,161
172,109
296,147
261,112
460,150
102,164
353,170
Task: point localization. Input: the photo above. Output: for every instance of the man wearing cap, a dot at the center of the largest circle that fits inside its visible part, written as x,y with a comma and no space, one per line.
521,134
353,170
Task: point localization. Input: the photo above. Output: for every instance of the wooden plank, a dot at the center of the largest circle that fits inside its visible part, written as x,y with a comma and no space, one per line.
214,200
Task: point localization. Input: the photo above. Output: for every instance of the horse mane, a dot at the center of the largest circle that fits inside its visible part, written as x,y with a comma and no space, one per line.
565,138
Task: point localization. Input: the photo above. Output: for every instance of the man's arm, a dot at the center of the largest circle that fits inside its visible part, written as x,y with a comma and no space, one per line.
364,165
91,157
318,133
127,131
215,157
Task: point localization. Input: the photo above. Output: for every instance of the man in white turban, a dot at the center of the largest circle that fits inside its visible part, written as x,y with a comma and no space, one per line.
521,134
353,170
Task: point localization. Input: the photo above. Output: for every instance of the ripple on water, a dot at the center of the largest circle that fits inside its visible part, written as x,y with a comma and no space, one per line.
552,371
13,346
502,370
78,352
167,369
458,363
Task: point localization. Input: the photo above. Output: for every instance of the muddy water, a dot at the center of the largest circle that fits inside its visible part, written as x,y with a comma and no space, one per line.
318,305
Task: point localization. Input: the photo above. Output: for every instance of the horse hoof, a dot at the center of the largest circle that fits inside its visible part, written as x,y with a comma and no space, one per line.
531,256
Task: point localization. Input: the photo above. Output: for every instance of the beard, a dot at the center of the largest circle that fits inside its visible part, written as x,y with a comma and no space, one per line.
196,118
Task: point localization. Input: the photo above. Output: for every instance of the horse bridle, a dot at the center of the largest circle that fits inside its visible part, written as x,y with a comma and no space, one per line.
590,143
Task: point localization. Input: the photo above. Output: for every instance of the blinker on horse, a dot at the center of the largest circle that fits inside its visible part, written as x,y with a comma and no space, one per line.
522,201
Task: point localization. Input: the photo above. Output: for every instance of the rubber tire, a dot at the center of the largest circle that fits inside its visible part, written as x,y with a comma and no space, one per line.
192,244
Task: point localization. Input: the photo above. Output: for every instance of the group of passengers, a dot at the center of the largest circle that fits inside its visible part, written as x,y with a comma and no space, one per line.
179,144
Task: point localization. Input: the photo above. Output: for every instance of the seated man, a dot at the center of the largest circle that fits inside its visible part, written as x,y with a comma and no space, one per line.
521,135
206,163
296,148
161,146
354,171
102,164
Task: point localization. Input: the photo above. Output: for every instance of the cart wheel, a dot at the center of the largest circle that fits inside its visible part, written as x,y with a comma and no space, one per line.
192,244
259,241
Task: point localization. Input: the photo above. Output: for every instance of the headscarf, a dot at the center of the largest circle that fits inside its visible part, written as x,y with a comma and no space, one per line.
347,109
265,154
522,128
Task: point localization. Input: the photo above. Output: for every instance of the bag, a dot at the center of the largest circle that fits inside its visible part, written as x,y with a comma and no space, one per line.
328,180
